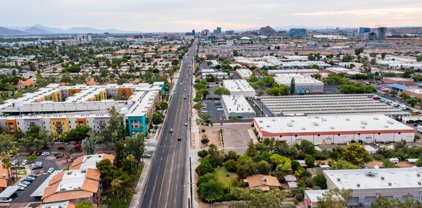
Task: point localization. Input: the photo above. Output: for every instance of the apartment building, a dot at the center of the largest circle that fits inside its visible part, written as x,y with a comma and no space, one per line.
59,109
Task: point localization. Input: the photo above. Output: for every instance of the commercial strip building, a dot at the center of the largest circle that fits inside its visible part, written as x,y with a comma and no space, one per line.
239,87
414,92
367,184
303,84
217,74
236,106
328,104
304,64
59,109
334,129
80,182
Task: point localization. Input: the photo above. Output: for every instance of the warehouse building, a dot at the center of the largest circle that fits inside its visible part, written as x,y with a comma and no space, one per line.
296,105
244,73
292,71
303,84
236,106
239,87
367,184
59,109
334,129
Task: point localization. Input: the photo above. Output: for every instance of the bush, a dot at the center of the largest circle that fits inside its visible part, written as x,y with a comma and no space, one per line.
202,153
205,140
299,197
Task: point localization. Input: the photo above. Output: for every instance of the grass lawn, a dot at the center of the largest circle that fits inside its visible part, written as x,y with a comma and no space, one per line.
22,171
111,201
224,176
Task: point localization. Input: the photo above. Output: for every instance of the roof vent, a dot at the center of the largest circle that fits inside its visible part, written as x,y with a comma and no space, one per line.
358,185
418,174
338,179
290,124
364,122
419,183
389,184
382,178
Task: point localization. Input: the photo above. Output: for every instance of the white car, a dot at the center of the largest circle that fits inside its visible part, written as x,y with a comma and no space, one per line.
24,162
50,170
22,185
419,128
6,201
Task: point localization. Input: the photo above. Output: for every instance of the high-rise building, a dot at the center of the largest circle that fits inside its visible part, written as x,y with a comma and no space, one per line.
193,32
229,32
381,33
364,30
217,30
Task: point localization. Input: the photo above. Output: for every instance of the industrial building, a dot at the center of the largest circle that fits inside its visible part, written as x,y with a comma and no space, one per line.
303,84
328,104
292,71
236,106
367,184
244,73
304,64
239,87
59,109
414,92
334,129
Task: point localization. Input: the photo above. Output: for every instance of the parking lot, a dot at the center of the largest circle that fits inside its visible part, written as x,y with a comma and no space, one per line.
215,110
41,167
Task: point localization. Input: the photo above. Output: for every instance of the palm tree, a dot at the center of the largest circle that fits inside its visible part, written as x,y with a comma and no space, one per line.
116,185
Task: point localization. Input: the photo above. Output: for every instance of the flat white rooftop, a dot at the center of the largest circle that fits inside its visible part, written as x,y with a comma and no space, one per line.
329,123
285,79
237,85
236,104
385,178
328,104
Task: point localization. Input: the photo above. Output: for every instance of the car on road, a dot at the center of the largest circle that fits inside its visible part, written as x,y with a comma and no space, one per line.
186,123
146,155
50,170
179,138
21,188
171,130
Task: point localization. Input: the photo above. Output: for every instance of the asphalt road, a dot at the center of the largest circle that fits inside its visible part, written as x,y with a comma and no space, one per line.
167,185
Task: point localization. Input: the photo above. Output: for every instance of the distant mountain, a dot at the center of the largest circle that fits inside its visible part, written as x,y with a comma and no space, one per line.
50,29
37,31
6,32
268,31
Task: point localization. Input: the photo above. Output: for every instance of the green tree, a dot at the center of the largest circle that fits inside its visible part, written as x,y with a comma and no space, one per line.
358,51
157,118
263,167
282,163
343,164
107,171
83,204
230,165
222,91
356,154
269,81
32,157
382,202
251,150
310,161
211,191
79,133
292,86
245,166
320,181
204,168
335,198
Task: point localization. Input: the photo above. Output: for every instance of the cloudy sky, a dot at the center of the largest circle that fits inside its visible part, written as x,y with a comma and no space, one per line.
184,15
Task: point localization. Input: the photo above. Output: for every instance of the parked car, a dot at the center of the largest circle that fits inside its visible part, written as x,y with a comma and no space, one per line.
22,185
146,155
25,162
6,200
26,182
50,170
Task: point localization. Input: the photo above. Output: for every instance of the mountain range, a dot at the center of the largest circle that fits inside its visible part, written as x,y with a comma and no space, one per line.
9,31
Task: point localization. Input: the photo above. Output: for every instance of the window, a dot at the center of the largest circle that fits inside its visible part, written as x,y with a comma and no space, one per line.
379,133
319,134
399,132
296,135
338,134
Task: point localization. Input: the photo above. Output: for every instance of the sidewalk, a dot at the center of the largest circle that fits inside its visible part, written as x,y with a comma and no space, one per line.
193,152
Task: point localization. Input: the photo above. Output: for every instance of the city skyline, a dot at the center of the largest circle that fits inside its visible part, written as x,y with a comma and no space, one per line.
180,16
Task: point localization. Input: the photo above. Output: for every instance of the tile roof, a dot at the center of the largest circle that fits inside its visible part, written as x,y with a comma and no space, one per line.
262,181
3,183
65,196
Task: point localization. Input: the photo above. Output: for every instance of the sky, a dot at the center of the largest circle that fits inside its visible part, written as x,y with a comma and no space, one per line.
185,15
